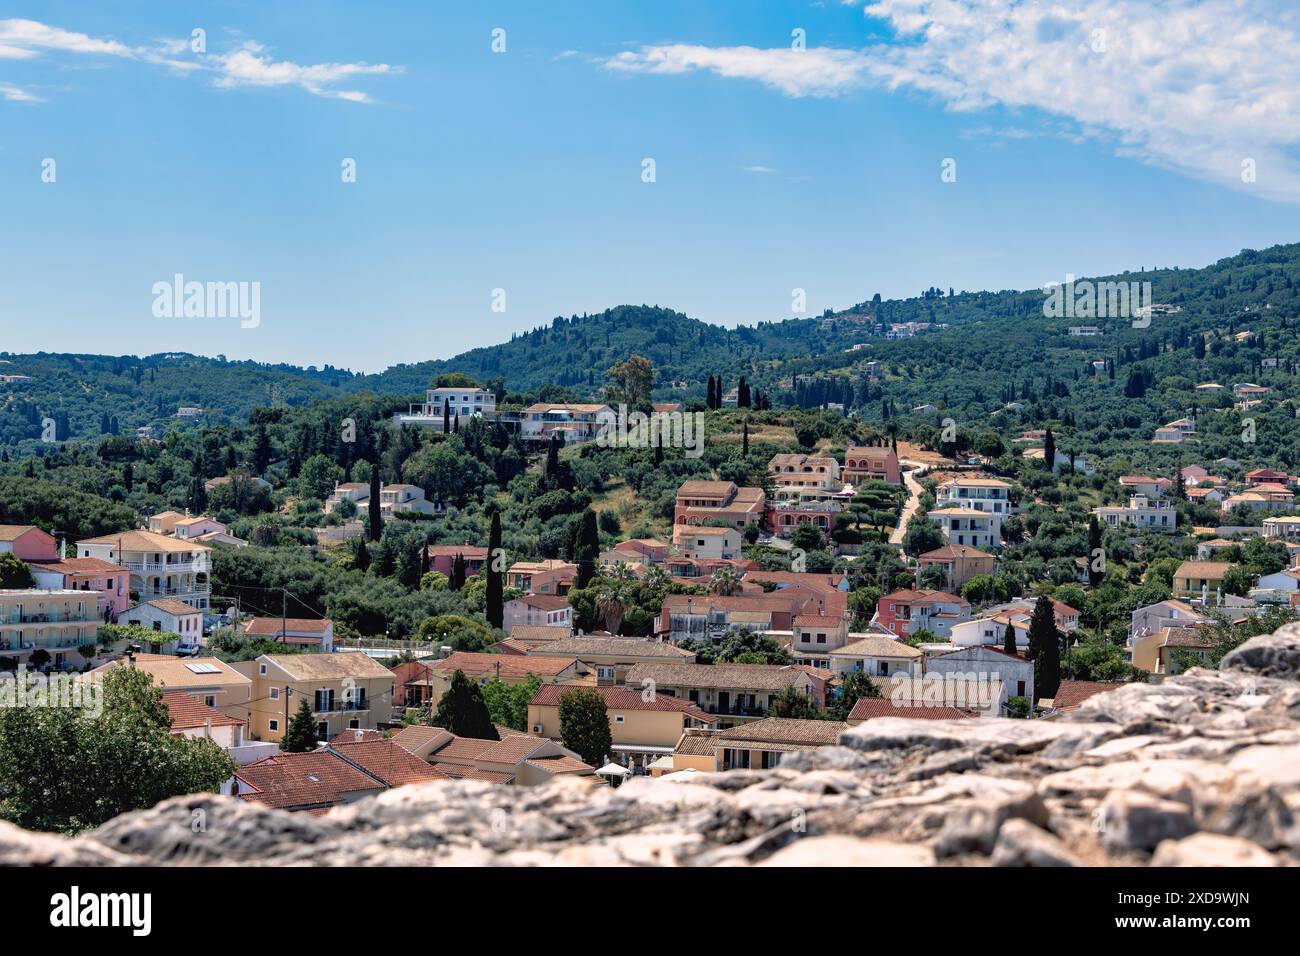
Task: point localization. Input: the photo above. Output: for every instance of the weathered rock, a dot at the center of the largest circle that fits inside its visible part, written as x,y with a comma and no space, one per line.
1208,849
1134,820
1020,843
1204,768
1270,655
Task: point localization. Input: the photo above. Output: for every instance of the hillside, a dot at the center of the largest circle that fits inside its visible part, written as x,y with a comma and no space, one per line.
993,348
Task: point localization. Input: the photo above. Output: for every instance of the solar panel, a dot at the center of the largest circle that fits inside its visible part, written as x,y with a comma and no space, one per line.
204,668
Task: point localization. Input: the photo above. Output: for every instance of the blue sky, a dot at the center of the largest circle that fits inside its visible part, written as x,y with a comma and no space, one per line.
1089,137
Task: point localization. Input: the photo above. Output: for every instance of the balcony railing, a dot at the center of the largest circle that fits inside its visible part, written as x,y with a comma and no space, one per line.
70,617
196,564
340,706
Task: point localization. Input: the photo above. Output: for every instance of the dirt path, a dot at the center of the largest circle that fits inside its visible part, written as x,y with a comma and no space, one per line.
913,500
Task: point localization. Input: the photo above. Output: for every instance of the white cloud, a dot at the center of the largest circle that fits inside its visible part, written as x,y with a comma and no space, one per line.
246,66
15,94
757,169
1194,87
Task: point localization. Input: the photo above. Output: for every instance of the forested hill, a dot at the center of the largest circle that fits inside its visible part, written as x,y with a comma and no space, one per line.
980,351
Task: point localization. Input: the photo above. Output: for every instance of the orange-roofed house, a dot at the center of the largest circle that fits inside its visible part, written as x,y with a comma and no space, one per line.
28,543
870,463
315,634
644,725
903,613
701,502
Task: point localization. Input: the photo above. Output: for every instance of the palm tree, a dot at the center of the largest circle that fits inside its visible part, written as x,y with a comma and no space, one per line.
611,603
620,572
725,581
656,577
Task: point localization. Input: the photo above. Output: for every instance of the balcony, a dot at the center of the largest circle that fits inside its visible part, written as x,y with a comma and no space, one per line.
69,617
196,565
341,706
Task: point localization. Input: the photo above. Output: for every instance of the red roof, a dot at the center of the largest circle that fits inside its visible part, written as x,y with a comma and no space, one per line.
507,665
868,707
387,761
469,552
303,780
270,626
188,712
77,565
620,698
1072,693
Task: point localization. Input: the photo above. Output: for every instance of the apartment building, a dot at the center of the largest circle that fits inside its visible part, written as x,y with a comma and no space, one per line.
1142,513
980,494
712,544
452,403
710,616
160,565
110,582
904,613
797,476
345,691
871,463
718,502
968,526
547,610
574,423
959,563
57,622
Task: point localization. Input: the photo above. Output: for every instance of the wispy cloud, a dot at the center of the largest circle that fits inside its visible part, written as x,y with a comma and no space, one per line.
1194,87
16,94
757,169
247,65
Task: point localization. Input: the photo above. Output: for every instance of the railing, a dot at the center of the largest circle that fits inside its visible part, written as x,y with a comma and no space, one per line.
80,617
339,706
198,564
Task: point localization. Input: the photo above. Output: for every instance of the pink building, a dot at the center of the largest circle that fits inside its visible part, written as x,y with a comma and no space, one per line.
904,613
443,556
28,543
112,581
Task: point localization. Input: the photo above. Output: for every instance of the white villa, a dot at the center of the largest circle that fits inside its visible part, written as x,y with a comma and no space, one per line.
161,566
456,402
969,526
982,494
1141,512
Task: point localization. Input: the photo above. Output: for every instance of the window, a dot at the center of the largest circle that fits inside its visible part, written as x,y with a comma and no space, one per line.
273,725
618,718
210,700
262,669
275,693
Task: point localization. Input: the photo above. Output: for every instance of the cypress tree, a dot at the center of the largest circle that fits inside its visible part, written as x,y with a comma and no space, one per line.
744,439
495,609
376,516
300,736
446,416
462,710
587,551
1049,450
1009,639
1045,649
457,580
1094,545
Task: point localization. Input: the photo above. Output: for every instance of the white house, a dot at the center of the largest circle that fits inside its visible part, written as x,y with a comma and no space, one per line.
1141,512
697,541
170,617
543,609
981,494
989,667
970,526
460,403
876,655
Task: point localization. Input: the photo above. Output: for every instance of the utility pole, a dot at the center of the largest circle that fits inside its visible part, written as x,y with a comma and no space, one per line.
284,613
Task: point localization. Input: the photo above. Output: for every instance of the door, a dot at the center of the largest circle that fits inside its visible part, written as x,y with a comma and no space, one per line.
724,702
322,730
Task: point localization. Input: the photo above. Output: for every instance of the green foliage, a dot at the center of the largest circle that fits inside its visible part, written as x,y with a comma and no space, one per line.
64,769
14,573
300,735
795,704
462,710
507,704
584,726
855,686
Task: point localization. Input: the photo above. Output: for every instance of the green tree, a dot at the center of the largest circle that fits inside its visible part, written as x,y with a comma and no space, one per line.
922,535
300,736
584,726
631,383
462,710
66,769
507,704
856,685
494,609
1045,648
14,573
793,703
1009,639
318,477
587,551
376,513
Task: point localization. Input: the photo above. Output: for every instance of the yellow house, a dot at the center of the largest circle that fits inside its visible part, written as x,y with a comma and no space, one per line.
643,725
345,691
757,745
209,680
1194,578
733,692
1154,652
612,657
507,668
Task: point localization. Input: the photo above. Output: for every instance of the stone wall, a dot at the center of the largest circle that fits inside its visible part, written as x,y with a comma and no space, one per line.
1202,769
